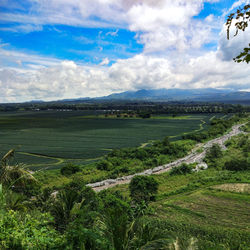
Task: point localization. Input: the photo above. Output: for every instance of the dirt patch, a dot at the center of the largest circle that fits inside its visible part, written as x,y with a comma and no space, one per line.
234,187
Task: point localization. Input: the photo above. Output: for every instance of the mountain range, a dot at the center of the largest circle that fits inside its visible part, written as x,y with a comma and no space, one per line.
208,95
170,95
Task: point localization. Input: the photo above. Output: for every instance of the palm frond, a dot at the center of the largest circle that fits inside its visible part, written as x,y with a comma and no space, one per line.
7,156
16,176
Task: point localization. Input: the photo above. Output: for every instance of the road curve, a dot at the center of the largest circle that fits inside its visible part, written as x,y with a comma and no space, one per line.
190,158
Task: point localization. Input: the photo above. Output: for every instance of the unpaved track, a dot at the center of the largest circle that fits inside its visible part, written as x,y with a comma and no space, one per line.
191,158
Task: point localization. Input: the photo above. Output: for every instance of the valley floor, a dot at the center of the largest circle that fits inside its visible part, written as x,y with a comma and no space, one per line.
193,157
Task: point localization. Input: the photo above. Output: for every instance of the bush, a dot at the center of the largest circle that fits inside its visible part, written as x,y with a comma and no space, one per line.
214,152
212,156
237,165
145,115
26,231
104,165
143,188
151,162
70,169
182,169
141,154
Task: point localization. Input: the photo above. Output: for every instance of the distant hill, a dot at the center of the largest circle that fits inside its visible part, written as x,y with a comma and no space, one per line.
169,95
209,95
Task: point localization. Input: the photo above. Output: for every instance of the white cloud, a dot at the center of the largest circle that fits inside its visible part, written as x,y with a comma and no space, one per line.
67,79
105,61
83,40
113,33
235,5
25,28
11,56
229,49
170,25
159,24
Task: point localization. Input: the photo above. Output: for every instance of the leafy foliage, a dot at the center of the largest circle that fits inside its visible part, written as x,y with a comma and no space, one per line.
143,189
104,165
242,17
28,231
16,176
213,155
70,169
182,169
239,164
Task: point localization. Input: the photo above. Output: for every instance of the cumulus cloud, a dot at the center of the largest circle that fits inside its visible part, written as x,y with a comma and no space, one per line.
159,24
67,79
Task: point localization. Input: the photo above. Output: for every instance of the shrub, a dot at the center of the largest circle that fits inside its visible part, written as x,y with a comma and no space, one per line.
145,115
237,165
143,188
70,169
26,231
214,152
151,162
182,169
104,165
141,154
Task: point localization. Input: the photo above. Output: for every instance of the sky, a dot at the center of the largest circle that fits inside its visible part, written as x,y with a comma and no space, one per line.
59,49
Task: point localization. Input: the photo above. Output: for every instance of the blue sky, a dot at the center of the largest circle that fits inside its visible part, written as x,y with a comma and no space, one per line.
80,44
64,49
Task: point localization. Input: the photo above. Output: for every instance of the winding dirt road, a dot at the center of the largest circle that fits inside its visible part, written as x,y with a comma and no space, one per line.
193,157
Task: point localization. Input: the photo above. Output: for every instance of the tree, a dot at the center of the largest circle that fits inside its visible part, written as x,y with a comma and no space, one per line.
143,188
117,220
242,17
15,176
104,165
70,169
166,142
214,152
145,115
63,206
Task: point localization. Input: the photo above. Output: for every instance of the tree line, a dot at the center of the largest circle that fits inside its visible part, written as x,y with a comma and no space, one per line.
135,108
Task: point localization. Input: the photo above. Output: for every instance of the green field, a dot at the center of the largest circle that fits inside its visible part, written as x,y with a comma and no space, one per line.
47,139
201,205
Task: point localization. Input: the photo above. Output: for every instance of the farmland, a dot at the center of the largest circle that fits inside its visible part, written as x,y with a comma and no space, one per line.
211,205
49,138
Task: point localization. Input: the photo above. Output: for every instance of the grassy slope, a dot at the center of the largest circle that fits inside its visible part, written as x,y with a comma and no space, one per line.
196,206
191,206
202,204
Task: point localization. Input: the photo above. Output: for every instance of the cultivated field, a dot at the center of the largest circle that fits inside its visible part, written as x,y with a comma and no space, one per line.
51,138
194,206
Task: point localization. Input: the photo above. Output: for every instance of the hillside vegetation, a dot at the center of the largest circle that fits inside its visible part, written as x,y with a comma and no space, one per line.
181,209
